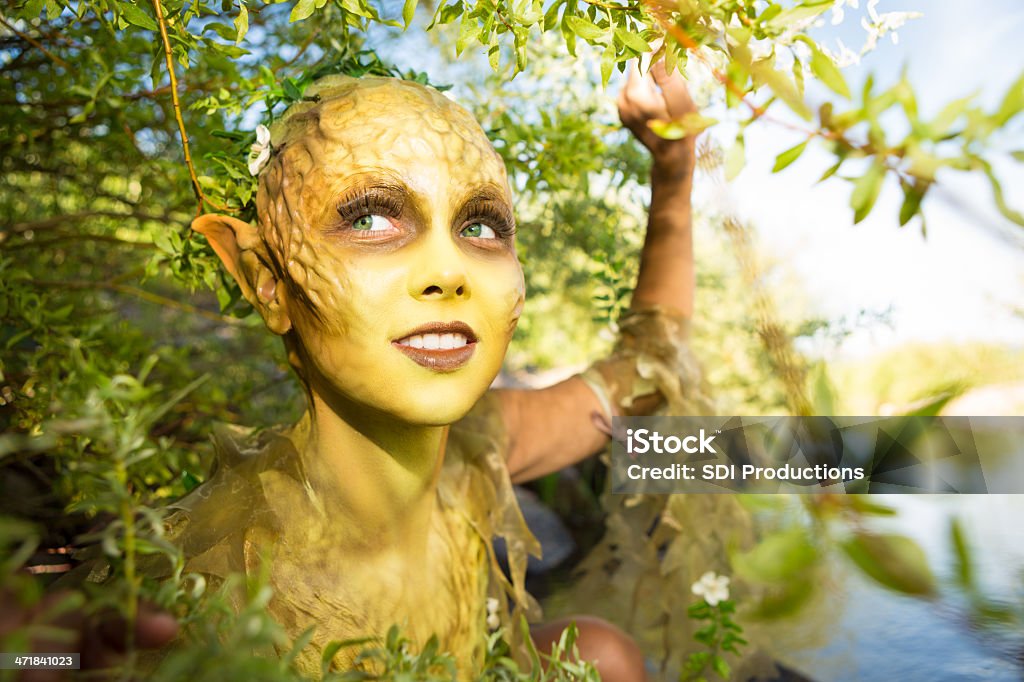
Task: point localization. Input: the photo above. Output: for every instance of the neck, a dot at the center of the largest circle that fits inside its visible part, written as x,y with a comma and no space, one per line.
374,475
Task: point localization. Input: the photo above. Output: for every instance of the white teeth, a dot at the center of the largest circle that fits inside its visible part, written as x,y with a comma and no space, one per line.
435,341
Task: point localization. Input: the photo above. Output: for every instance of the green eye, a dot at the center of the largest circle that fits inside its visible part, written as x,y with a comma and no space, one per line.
478,231
370,223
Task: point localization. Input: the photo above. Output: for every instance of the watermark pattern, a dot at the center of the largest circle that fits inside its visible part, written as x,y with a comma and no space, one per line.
818,455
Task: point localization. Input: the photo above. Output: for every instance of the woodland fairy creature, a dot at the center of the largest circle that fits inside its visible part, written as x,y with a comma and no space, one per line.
384,256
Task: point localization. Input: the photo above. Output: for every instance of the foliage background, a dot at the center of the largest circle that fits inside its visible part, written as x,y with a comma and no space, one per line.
120,337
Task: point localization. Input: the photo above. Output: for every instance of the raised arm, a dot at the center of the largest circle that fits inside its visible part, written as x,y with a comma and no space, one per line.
666,276
557,426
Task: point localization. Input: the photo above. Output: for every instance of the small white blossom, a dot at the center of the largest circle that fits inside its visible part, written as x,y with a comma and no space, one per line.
259,153
846,56
839,10
493,621
881,24
713,587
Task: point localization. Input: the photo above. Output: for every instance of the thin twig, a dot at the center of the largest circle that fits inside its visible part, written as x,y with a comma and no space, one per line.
169,58
302,50
36,44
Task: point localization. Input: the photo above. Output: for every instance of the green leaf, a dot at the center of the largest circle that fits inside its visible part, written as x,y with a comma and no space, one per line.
962,554
690,124
241,22
32,9
832,170
521,34
922,164
825,70
632,40
778,558
997,193
408,12
1018,155
719,665
894,561
446,14
135,16
782,86
806,10
863,505
302,10
607,64
189,481
567,34
948,116
789,156
1012,104
551,16
291,90
585,28
913,194
822,391
735,158
706,635
469,30
866,190
786,598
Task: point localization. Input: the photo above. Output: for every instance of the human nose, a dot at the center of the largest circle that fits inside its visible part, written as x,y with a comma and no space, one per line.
440,273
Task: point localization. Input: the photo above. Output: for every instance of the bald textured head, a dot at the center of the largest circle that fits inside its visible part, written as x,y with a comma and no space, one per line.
358,127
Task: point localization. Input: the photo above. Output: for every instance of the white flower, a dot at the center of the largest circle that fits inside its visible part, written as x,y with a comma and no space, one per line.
493,621
714,588
846,57
839,10
881,24
259,153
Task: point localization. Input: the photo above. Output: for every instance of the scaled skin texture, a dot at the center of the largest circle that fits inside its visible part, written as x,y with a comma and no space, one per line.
384,208
408,154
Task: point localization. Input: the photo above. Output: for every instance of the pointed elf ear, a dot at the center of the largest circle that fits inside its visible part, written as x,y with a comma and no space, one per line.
240,249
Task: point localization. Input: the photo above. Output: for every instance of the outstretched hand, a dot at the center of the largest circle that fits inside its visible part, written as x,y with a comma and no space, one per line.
657,95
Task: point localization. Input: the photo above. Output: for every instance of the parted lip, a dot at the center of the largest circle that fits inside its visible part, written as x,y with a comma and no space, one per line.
455,327
439,359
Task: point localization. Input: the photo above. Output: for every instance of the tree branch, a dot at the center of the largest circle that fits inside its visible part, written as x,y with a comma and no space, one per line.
169,58
35,43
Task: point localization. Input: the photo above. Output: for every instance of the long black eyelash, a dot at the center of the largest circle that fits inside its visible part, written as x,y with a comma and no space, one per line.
370,201
493,214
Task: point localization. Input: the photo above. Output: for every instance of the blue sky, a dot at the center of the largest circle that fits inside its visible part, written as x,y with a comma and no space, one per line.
961,281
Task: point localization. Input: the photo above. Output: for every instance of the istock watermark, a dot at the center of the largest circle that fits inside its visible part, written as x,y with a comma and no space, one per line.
642,441
818,455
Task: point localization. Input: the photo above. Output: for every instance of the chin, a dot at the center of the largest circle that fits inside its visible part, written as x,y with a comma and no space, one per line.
439,407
